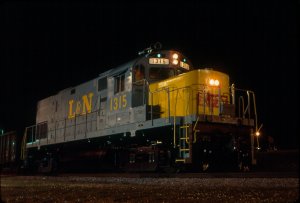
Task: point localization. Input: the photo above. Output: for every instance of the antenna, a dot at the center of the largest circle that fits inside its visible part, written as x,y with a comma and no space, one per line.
152,47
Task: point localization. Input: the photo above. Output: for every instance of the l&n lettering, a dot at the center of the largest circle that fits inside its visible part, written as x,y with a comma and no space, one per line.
81,107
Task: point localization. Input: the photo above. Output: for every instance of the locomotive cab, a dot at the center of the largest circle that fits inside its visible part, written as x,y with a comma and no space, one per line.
160,65
156,66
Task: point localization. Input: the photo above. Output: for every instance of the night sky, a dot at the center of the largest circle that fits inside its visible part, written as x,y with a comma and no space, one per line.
47,47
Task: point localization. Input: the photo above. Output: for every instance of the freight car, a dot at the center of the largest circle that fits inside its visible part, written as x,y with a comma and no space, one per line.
156,112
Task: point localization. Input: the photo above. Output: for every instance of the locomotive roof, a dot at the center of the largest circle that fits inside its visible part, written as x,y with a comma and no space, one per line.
120,68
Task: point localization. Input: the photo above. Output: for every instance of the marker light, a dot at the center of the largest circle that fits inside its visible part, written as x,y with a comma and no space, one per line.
175,56
158,55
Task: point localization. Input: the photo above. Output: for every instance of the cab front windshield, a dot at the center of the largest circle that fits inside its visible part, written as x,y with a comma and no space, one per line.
162,73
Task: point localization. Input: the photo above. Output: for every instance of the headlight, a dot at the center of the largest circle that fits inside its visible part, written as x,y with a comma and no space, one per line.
175,56
213,82
175,61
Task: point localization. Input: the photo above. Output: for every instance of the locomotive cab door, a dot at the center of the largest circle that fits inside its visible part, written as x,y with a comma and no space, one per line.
139,85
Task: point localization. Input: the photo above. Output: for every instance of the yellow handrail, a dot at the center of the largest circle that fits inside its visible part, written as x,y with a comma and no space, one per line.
186,133
195,131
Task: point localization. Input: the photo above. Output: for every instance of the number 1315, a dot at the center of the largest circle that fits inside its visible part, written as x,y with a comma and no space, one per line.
119,102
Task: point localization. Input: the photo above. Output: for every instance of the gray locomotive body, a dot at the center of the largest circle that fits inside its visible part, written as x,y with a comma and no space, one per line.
145,115
98,124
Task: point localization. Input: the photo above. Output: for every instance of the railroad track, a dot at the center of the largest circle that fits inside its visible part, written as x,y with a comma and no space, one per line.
264,174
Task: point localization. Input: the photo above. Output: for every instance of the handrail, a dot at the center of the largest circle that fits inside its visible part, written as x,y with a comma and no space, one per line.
34,131
254,106
241,99
151,108
232,90
23,145
248,107
200,88
195,130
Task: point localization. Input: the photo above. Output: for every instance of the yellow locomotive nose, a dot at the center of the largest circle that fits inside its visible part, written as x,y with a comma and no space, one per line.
199,91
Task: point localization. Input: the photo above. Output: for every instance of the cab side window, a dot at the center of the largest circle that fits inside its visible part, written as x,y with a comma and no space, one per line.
102,84
119,83
139,73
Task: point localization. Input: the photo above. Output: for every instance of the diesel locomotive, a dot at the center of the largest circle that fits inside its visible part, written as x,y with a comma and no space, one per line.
156,112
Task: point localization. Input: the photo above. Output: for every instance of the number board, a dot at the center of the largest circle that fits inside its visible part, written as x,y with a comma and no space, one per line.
163,61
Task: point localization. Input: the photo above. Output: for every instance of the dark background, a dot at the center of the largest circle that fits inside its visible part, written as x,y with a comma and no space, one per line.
47,47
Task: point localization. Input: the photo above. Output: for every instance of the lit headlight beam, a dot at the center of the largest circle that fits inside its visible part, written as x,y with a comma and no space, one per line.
213,82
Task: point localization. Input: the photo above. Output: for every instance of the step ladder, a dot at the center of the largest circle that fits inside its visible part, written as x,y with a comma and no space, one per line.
184,145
